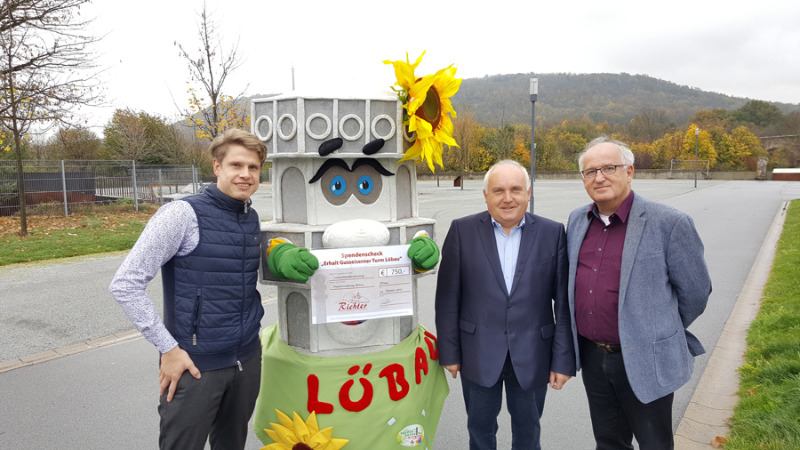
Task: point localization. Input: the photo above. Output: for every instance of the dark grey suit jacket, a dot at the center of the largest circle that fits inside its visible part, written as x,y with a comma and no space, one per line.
478,322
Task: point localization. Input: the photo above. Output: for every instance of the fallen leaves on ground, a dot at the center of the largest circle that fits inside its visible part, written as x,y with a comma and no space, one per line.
44,225
718,442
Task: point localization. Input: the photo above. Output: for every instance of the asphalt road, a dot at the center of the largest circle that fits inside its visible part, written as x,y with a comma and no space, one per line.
107,397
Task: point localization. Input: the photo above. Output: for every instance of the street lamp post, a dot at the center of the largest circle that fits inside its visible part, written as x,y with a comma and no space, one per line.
534,93
696,136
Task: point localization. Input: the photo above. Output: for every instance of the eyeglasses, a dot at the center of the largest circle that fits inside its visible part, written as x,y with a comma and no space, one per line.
605,170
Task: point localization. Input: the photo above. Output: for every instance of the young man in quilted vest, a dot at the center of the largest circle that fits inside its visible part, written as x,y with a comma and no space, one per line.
207,247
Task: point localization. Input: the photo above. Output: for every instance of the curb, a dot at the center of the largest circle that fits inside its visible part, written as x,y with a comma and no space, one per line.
30,360
708,414
11,364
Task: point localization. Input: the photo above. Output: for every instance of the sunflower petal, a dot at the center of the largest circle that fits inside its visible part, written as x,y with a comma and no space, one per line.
403,72
284,435
419,59
322,438
276,446
285,420
300,429
429,148
339,443
422,127
413,152
447,83
273,434
311,423
419,90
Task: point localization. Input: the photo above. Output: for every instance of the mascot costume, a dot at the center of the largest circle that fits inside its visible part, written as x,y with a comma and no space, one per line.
347,365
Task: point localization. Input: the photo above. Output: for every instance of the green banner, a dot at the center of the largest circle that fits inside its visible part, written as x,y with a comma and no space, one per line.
382,400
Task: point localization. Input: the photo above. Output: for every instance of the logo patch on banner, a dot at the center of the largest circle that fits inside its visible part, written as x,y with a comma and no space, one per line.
411,436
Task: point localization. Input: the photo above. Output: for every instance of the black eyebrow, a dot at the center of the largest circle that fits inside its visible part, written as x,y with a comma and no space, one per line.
327,165
375,165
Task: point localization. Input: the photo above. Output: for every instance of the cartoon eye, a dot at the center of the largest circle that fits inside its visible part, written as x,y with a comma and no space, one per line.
370,183
365,184
338,185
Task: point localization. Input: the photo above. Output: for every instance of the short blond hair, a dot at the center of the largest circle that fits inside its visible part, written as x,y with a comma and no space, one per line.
219,146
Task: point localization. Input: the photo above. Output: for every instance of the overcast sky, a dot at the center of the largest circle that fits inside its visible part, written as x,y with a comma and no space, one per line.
743,49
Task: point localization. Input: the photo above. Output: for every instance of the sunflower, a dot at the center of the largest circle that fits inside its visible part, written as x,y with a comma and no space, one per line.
298,435
427,105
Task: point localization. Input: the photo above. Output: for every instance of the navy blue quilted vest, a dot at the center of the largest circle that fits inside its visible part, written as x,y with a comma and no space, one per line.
211,305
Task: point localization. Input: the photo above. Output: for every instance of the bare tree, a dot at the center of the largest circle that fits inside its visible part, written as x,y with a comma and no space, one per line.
210,66
44,71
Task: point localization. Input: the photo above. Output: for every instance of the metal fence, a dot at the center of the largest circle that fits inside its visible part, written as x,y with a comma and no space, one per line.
78,184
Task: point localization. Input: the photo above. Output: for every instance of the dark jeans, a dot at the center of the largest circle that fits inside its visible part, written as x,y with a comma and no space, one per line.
617,415
216,408
483,405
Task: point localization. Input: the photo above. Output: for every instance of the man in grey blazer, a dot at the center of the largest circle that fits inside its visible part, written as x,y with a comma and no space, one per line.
637,280
502,317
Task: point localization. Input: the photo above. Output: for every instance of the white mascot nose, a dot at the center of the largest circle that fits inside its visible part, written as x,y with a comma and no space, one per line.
355,233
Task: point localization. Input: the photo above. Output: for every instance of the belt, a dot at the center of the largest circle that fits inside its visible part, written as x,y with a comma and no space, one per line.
605,347
608,347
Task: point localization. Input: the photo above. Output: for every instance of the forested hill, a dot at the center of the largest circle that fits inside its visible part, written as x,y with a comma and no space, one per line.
504,99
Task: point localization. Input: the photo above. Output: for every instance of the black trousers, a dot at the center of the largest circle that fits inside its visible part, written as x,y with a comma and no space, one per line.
215,408
617,415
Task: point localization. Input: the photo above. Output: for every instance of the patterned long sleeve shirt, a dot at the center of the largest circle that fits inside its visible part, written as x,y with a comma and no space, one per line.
172,231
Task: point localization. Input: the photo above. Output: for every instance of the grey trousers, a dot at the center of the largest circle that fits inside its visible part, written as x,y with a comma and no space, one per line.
217,408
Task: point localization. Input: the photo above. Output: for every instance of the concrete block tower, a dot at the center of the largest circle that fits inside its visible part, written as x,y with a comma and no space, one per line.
337,182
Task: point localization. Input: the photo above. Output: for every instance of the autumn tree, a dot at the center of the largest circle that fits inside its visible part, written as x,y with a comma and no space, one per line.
467,132
747,147
648,125
704,149
481,159
126,137
45,68
715,118
164,140
668,148
791,123
211,111
549,155
759,113
500,141
195,150
644,154
144,138
74,143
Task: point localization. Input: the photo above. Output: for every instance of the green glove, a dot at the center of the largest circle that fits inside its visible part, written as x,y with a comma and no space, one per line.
424,253
290,261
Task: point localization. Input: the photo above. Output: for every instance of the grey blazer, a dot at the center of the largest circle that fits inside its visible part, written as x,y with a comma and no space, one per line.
664,286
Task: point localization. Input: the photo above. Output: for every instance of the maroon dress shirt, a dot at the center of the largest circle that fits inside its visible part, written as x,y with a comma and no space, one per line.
598,274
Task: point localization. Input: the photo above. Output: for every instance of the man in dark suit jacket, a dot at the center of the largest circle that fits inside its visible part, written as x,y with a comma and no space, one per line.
502,314
637,280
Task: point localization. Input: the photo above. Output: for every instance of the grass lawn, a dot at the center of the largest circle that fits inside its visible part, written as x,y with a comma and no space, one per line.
768,413
51,237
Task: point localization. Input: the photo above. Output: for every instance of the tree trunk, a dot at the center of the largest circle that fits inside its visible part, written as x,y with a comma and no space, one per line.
23,217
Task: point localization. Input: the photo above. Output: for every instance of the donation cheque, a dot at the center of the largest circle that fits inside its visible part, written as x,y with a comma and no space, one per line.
361,283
